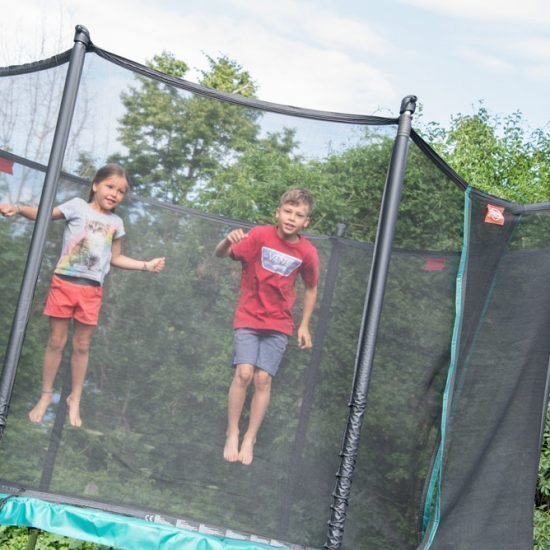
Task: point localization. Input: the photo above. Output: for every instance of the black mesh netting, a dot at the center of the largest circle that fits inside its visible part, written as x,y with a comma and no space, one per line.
154,406
498,389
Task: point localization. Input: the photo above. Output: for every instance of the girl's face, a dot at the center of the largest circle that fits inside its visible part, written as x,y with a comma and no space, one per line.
109,193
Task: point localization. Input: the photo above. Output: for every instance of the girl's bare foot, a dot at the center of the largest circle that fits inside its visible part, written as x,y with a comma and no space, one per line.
246,454
74,411
39,410
231,449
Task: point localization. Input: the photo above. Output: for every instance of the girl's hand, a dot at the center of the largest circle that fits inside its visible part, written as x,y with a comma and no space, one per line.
8,210
156,265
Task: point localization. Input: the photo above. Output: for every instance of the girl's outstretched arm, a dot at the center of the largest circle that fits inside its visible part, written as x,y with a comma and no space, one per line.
124,262
29,212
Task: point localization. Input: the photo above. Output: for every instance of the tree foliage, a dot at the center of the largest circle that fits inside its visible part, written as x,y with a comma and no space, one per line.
497,154
175,140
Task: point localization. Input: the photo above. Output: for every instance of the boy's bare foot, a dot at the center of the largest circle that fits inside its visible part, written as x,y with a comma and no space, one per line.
74,411
39,410
231,449
246,454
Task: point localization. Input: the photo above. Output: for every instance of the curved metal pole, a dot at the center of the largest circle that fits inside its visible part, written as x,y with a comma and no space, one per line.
371,319
38,242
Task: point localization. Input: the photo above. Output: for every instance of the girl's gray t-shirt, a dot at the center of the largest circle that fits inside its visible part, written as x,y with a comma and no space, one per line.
87,240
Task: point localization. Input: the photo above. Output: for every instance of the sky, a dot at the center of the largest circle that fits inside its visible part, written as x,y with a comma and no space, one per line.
335,55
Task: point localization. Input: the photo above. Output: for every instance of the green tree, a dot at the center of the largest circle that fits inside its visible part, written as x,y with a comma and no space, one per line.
175,141
497,154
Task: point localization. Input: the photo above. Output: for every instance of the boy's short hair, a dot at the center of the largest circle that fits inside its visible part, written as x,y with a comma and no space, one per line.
297,196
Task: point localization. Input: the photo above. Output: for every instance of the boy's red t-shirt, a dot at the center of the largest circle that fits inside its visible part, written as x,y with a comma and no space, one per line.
270,266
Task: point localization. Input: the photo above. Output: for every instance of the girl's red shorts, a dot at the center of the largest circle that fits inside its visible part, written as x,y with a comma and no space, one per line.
73,301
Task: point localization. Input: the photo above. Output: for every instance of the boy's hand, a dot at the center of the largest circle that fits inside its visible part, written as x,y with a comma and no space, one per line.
304,338
224,246
235,236
156,265
8,210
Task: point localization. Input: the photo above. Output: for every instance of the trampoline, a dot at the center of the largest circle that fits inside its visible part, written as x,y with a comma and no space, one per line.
415,422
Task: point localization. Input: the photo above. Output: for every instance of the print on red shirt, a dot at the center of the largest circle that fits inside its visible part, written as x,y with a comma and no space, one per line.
278,262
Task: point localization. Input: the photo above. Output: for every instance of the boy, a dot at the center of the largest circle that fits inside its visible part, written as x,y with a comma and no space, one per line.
271,257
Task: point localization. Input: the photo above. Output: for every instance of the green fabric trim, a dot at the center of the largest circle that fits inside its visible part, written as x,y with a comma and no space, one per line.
434,488
115,530
488,301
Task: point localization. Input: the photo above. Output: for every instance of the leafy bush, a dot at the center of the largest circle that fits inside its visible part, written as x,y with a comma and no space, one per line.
17,538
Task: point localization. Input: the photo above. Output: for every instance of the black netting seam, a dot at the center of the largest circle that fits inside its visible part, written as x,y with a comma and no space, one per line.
240,100
36,66
513,207
463,184
438,161
213,217
37,166
147,200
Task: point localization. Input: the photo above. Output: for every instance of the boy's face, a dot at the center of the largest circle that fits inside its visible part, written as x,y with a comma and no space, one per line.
291,219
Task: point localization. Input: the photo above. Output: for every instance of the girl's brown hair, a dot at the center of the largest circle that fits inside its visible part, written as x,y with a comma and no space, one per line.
106,172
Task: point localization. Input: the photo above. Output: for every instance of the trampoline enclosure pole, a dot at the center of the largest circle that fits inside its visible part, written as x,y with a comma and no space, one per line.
371,318
33,538
38,241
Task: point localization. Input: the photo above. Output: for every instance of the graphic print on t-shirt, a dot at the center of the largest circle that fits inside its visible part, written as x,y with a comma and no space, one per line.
86,252
278,262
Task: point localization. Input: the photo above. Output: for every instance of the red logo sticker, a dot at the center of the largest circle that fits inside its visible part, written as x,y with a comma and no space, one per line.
434,264
495,214
6,166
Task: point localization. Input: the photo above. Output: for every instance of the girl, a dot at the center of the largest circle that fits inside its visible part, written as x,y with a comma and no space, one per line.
91,243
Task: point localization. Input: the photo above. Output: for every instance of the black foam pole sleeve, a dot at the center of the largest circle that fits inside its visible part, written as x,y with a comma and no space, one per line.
38,241
371,318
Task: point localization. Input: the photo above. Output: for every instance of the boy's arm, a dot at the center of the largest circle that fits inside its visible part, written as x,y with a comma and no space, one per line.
303,334
223,249
124,262
29,212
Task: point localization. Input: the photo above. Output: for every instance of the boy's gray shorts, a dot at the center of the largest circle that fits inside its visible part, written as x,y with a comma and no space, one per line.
263,349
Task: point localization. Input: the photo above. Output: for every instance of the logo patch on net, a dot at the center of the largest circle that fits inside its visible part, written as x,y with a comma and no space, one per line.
495,214
279,263
434,264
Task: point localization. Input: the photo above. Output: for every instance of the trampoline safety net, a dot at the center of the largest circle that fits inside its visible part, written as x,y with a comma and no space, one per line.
451,436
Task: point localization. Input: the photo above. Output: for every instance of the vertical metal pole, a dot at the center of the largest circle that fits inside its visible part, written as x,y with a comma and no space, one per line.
311,379
57,431
33,538
371,319
38,242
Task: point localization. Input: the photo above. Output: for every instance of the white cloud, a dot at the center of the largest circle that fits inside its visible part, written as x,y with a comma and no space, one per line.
316,53
503,36
507,54
535,13
538,73
534,48
315,24
490,62
299,53
319,79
